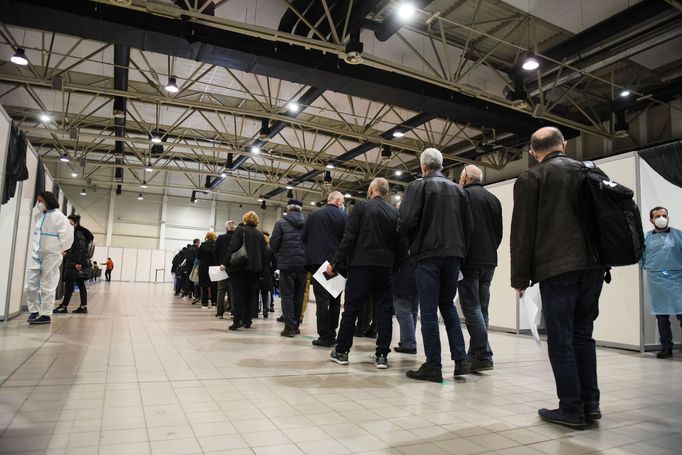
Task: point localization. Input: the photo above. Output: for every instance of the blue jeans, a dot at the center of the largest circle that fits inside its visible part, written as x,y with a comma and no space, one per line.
665,331
474,296
570,303
406,313
437,287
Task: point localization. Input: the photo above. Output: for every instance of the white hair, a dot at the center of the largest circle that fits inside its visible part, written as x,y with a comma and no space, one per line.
473,173
294,208
334,195
230,225
432,159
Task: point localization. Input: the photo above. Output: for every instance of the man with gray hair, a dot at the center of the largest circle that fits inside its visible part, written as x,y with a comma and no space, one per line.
221,252
369,252
479,265
322,236
436,218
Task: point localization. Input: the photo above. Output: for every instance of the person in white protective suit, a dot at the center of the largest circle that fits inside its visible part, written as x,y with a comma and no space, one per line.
52,236
662,261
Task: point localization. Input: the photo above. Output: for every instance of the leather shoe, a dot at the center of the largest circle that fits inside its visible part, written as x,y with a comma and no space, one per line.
426,373
558,417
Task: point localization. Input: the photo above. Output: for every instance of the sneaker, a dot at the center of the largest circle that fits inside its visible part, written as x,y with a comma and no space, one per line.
41,320
462,367
60,309
426,373
288,332
324,343
81,309
195,301
280,319
404,350
480,365
339,357
204,307
558,417
664,354
380,361
265,315
32,317
235,326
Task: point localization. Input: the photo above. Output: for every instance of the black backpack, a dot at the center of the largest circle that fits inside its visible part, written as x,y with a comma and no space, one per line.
610,218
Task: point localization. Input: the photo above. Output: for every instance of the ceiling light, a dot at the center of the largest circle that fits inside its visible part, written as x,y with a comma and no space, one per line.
290,194
223,175
263,205
327,176
264,133
228,162
293,107
149,167
406,11
83,192
143,184
45,118
140,197
398,173
193,197
385,151
624,93
260,199
255,149
530,62
312,202
74,174
348,195
156,138
64,158
19,57
398,133
172,85
289,187
330,166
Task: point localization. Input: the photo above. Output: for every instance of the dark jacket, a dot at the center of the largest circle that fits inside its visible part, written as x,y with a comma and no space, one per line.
546,235
190,256
487,212
371,236
267,283
436,218
405,278
322,235
287,242
222,249
177,260
78,254
206,260
255,247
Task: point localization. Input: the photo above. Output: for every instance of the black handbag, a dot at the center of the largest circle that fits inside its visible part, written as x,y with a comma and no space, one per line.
240,258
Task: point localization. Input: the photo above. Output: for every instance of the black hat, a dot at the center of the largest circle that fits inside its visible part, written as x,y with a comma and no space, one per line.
295,202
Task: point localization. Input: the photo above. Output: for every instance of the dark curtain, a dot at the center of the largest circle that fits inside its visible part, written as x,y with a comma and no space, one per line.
15,166
40,180
666,159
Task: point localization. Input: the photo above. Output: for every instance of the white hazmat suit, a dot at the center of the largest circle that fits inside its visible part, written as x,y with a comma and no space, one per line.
52,235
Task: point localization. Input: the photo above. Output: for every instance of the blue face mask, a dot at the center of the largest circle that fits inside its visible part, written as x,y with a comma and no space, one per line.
342,208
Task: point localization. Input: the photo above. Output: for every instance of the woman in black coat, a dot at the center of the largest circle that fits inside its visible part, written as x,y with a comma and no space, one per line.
246,277
206,260
267,282
77,266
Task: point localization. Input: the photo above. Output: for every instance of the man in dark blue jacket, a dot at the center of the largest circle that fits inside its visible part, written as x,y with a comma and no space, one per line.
368,250
222,257
287,243
322,236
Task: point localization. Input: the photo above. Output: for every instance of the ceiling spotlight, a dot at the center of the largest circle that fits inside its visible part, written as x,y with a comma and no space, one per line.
255,149
398,173
624,93
290,194
223,175
149,167
228,162
83,192
398,133
327,176
260,199
264,133
330,166
406,11
193,197
385,151
172,85
74,174
19,57
45,118
289,187
118,113
348,195
143,184
140,197
530,62
312,202
293,107
64,158
156,138
263,205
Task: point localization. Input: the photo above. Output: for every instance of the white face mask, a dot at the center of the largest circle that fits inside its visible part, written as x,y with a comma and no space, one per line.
40,206
661,222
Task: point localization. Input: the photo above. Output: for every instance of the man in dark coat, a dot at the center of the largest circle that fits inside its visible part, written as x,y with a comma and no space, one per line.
479,266
322,236
178,259
192,251
287,243
222,248
369,252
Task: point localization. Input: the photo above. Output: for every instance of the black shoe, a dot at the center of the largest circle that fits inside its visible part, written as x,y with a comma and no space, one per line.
324,343
272,308
60,309
665,354
357,332
339,357
380,361
235,326
370,334
480,365
41,320
265,315
462,367
298,331
81,309
288,332
219,316
247,325
558,417
426,373
592,413
403,350
280,319
32,317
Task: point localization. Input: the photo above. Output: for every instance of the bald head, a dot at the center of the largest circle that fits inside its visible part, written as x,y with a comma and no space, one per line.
335,198
378,187
546,140
470,174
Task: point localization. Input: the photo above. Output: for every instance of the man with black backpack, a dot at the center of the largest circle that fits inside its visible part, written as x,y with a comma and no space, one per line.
550,246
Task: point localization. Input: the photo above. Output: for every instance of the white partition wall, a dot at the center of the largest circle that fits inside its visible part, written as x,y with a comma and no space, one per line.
116,255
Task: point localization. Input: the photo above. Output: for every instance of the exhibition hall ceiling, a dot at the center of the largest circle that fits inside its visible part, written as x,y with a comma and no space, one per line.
260,100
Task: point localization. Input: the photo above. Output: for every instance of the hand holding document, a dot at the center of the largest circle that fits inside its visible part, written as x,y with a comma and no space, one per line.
215,274
333,284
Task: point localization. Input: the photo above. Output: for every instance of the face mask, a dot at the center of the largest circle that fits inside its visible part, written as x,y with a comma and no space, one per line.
661,222
40,206
342,208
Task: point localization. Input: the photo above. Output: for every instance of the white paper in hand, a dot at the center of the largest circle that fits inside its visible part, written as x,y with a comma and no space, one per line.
334,286
531,306
215,274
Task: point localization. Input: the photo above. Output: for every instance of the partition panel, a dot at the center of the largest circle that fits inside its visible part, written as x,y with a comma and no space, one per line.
116,255
158,261
143,266
129,264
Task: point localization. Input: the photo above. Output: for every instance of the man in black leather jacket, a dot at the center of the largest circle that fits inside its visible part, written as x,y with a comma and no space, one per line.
549,247
436,218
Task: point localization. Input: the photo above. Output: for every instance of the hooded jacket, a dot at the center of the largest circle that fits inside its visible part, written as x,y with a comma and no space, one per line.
78,254
287,242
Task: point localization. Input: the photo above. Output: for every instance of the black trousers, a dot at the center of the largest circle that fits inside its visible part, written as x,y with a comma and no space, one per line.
365,283
292,285
68,291
328,310
665,331
206,290
107,274
244,295
224,290
570,303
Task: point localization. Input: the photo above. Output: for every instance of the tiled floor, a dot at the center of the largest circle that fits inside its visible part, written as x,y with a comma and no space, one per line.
145,372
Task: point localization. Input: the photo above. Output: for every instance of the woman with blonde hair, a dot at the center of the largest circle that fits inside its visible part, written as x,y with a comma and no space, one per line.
247,265
207,259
